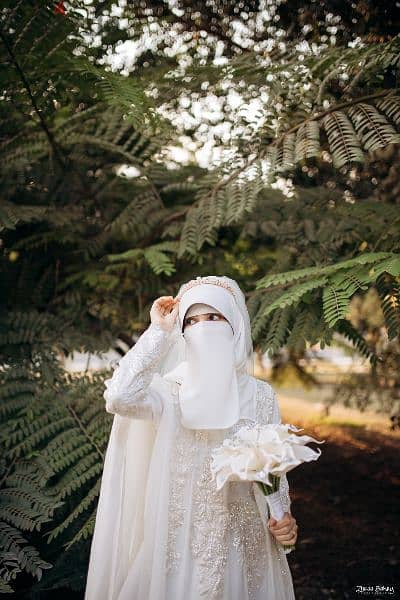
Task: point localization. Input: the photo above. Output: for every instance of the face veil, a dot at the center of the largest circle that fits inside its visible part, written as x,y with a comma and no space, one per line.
213,377
209,392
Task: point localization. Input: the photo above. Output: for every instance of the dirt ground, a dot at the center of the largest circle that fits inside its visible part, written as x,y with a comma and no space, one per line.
346,505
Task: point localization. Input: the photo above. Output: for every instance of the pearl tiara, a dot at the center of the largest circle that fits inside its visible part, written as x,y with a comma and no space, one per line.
200,280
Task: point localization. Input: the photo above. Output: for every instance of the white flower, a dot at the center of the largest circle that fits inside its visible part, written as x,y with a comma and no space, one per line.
255,453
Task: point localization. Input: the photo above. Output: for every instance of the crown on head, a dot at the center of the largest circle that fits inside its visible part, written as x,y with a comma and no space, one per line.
200,280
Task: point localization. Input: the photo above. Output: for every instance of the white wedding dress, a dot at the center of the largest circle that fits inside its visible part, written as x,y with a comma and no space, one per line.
197,543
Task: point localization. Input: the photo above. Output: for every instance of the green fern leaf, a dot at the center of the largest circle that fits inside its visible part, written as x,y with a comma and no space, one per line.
391,108
372,127
277,330
335,304
292,276
344,144
294,294
346,329
389,292
391,266
307,141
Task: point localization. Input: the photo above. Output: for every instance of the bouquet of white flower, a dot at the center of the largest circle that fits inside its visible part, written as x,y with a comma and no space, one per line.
262,454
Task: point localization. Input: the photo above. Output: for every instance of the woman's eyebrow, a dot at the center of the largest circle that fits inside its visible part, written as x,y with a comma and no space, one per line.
208,314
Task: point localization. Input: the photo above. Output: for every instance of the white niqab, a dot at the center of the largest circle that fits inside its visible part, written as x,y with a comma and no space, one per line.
215,388
210,377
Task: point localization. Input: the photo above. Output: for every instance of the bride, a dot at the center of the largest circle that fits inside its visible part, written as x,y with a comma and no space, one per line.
162,530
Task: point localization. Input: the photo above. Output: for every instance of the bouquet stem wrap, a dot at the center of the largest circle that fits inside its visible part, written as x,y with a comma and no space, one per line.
274,503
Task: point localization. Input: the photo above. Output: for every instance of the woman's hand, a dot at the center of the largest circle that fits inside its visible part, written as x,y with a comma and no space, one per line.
285,530
164,311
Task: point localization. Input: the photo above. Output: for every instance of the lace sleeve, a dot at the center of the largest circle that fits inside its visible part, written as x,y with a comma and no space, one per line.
129,391
284,485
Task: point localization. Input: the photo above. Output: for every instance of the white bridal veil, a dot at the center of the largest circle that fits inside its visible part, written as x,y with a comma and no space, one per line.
120,515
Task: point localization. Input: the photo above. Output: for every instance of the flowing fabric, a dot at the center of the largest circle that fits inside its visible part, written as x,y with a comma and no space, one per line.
162,530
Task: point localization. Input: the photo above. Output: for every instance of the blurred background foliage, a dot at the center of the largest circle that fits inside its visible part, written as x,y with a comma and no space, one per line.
300,204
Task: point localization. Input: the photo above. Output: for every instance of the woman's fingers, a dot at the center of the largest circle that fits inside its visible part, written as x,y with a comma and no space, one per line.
166,300
287,521
173,309
164,304
285,530
285,535
286,538
162,300
164,311
172,313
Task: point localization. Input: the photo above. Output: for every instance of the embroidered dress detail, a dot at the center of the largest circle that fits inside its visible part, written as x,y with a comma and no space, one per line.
182,466
129,395
215,520
209,533
249,539
265,402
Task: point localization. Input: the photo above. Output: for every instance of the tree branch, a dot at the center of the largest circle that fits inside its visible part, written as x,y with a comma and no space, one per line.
315,117
57,152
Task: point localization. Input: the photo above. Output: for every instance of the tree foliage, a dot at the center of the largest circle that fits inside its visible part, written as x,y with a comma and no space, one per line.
302,210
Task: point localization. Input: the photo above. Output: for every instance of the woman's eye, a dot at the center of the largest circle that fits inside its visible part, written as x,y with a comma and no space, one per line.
214,315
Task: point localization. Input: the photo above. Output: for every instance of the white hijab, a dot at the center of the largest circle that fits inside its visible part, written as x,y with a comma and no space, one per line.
215,388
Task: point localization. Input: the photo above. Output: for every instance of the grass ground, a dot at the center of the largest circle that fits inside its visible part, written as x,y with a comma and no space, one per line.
346,504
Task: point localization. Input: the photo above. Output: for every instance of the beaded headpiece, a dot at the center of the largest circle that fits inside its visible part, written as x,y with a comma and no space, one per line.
200,280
